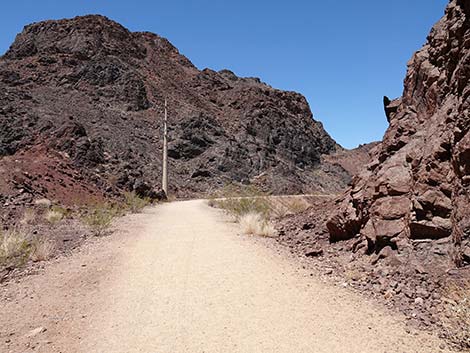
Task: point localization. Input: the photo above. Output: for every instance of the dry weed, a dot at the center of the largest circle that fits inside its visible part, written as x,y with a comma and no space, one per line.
253,223
29,216
100,217
45,203
53,216
14,247
134,203
42,249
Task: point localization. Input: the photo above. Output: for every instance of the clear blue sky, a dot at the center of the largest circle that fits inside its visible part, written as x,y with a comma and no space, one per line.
343,55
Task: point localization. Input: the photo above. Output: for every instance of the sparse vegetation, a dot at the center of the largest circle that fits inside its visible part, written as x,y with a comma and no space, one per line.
250,207
255,224
100,217
29,216
457,315
45,203
42,249
134,203
283,206
14,248
55,214
239,200
297,205
17,246
240,206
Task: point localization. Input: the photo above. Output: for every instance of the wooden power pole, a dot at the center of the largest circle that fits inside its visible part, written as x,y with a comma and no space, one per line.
165,153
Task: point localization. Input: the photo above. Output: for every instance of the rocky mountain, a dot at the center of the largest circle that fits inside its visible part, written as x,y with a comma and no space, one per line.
81,110
401,232
417,188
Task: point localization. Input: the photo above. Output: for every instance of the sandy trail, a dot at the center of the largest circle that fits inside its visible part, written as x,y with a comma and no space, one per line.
182,280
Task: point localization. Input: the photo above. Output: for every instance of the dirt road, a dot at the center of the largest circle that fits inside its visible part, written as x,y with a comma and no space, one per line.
179,278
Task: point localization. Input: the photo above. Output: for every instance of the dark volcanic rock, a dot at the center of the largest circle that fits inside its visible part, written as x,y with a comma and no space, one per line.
418,186
94,91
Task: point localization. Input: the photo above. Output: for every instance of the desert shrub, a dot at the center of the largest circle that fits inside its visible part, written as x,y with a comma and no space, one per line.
457,315
44,203
253,223
53,217
42,249
14,247
240,206
297,205
279,208
99,217
29,216
238,200
134,203
56,213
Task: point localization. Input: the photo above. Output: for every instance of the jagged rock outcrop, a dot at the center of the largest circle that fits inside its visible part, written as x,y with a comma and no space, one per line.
93,91
417,187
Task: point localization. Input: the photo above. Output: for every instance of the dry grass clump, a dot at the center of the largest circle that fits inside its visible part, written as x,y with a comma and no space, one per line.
29,216
297,205
134,203
14,248
55,214
17,247
250,207
100,217
238,207
283,206
42,249
457,319
45,203
255,224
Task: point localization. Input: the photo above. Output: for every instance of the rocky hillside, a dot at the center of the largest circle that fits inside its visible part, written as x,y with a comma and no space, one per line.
417,188
81,114
401,232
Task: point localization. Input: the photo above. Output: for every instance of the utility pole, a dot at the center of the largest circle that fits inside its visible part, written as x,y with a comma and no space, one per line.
165,153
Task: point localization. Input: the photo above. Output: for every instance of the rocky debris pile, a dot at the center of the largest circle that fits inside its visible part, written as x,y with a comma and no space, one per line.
93,91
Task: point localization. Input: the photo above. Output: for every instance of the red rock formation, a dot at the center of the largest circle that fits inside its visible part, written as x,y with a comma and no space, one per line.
418,185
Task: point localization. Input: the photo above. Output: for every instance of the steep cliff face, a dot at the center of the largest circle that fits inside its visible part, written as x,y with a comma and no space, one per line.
417,188
89,93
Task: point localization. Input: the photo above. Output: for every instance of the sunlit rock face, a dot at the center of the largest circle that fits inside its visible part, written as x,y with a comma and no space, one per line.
417,187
